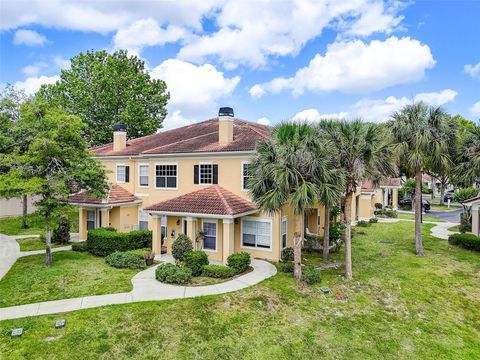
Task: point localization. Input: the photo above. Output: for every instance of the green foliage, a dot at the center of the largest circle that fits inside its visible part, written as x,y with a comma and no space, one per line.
173,274
311,275
239,261
61,234
465,194
140,252
80,246
386,212
337,230
312,242
468,161
363,223
373,220
124,260
218,271
378,206
180,247
465,223
286,266
467,241
287,254
103,242
106,89
195,260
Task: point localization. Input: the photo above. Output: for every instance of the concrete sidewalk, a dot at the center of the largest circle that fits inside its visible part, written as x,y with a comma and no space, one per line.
440,230
145,288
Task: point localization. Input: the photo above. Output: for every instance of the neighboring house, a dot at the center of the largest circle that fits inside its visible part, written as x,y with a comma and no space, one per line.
386,194
14,207
188,180
475,204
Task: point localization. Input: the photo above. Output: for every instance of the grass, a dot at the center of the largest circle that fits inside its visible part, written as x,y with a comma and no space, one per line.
34,243
72,274
454,228
443,207
412,217
399,306
205,280
36,224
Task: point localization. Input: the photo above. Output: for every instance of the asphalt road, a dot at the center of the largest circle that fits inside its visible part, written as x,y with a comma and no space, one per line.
449,216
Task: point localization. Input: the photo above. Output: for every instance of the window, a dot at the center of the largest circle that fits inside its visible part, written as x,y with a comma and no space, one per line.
143,171
206,173
166,176
90,219
210,237
142,220
257,233
163,228
120,173
245,175
284,231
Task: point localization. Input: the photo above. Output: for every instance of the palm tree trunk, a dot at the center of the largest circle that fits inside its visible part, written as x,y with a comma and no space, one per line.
48,242
326,234
418,212
297,248
348,234
432,186
24,211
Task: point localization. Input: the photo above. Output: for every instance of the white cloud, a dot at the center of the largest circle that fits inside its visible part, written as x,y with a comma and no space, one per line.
28,38
61,63
472,70
356,67
256,91
263,121
33,70
194,90
475,109
32,84
375,17
379,109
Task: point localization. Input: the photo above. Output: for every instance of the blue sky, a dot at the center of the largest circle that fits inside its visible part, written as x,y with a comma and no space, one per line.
269,60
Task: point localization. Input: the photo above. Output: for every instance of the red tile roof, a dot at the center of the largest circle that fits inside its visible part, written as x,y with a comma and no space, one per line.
472,200
115,195
367,185
213,200
198,137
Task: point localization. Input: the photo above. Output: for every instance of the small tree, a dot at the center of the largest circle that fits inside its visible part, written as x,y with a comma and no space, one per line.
61,234
181,246
466,218
54,165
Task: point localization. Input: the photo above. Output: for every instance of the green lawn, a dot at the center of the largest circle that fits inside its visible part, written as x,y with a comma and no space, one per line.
399,306
454,228
412,217
36,224
443,207
72,274
34,243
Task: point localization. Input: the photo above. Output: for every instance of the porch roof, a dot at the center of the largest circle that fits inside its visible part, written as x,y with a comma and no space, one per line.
472,200
213,200
116,195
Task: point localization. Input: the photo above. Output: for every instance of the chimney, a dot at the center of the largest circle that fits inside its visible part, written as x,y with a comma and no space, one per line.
119,137
225,125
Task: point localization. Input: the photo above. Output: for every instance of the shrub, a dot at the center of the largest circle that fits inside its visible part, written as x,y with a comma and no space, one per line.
287,254
467,241
373,221
378,206
180,247
61,234
239,261
124,259
80,246
312,242
218,271
103,241
310,275
195,260
287,266
336,231
109,228
363,223
140,252
173,274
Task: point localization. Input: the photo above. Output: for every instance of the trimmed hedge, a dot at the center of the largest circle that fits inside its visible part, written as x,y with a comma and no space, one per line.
218,271
140,252
373,220
180,247
103,242
310,275
363,223
467,241
239,261
80,246
124,259
195,261
173,274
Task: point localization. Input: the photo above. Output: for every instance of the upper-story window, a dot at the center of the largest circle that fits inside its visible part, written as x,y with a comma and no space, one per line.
123,173
166,176
246,174
205,174
143,172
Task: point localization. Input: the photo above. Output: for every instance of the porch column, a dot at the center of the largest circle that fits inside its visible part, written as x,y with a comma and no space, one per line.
385,197
228,238
476,221
395,199
82,225
191,230
105,213
156,235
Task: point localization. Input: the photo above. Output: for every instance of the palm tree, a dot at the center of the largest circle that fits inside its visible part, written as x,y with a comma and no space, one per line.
294,167
420,137
362,153
469,157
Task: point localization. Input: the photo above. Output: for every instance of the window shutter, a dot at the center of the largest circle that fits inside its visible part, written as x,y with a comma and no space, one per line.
195,174
127,174
215,174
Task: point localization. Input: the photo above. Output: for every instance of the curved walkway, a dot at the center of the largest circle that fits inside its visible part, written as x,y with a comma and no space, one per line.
440,230
145,288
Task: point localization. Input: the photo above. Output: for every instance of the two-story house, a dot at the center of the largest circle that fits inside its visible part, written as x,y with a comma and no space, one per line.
188,180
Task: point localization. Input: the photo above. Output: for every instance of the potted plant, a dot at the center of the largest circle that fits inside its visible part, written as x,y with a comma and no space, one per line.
149,257
198,238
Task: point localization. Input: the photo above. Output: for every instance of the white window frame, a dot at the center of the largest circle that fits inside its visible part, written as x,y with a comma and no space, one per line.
241,175
148,175
211,221
94,218
258,219
155,175
124,170
284,220
142,212
200,172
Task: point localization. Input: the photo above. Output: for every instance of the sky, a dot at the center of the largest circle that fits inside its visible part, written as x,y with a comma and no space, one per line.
270,60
